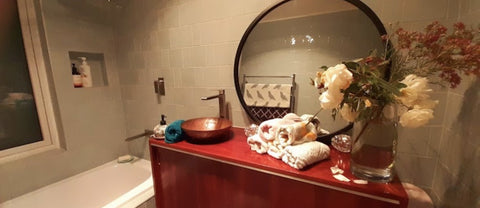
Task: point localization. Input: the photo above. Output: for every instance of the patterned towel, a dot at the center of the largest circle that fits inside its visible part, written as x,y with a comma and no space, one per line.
267,95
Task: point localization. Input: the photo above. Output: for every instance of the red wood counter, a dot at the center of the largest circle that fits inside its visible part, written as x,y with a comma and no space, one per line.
229,174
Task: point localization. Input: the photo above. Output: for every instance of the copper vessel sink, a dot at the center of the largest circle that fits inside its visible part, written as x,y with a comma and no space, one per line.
206,128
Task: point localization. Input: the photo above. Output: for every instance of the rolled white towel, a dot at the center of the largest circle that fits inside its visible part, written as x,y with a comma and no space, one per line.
296,133
268,129
275,150
302,155
292,117
257,144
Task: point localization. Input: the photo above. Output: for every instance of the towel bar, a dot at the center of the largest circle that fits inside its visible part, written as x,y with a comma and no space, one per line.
147,132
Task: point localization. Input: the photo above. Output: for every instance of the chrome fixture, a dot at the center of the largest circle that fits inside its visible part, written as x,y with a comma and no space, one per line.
159,86
221,102
147,132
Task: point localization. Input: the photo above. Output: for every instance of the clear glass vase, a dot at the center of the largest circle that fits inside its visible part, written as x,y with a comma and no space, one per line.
373,149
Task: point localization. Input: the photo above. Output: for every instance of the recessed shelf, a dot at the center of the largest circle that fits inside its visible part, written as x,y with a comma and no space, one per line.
97,66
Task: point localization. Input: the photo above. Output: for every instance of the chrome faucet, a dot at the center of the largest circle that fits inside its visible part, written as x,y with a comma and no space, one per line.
221,102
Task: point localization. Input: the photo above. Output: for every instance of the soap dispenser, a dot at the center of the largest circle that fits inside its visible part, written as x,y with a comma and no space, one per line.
86,73
159,130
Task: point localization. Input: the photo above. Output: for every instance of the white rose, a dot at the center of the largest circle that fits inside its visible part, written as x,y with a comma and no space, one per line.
348,114
317,82
416,117
330,99
415,92
338,77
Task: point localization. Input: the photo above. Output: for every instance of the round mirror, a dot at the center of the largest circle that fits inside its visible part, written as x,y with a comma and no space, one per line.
286,45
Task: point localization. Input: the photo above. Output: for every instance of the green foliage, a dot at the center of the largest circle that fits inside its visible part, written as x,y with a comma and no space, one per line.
369,92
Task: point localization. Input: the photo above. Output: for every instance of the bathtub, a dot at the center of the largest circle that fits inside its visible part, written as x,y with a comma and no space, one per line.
109,185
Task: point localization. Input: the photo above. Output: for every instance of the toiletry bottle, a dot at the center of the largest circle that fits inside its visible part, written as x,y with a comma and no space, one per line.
163,124
77,78
159,129
86,73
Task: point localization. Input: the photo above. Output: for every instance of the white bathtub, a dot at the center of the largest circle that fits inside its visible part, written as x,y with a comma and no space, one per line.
109,185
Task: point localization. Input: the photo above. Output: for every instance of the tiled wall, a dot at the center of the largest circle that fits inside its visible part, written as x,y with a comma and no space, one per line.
456,182
92,119
192,44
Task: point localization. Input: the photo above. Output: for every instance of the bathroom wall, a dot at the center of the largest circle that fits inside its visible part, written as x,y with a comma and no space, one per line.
93,119
456,182
192,44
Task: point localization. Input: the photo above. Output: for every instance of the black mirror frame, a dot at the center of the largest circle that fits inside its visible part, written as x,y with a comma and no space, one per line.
360,5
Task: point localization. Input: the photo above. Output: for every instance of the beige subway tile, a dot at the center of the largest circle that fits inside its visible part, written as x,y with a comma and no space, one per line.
413,141
222,54
425,10
234,7
194,56
453,9
440,109
240,118
205,111
199,75
252,6
474,5
436,134
464,85
215,9
169,18
176,58
454,106
391,11
163,39
415,169
180,37
442,181
177,77
453,151
187,77
191,13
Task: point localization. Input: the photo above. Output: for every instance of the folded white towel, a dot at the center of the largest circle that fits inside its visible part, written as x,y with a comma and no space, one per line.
257,144
302,155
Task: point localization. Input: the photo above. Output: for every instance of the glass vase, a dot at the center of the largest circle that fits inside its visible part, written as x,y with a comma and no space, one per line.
373,149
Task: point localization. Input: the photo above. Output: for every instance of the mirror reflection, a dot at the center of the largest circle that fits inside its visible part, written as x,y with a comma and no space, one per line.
289,45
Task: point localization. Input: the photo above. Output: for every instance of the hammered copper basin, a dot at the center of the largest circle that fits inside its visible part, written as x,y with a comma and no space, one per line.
206,128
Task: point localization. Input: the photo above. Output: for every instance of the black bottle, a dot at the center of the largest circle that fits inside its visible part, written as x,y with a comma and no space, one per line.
77,77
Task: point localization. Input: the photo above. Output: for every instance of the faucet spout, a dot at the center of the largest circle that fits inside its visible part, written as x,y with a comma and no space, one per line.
210,97
221,102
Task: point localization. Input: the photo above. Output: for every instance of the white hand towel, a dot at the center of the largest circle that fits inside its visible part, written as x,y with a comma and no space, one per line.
275,150
268,129
302,155
257,144
296,133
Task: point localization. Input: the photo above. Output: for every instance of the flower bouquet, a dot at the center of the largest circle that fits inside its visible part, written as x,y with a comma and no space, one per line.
376,90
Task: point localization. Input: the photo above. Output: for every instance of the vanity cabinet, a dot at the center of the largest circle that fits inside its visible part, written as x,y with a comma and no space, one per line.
230,175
